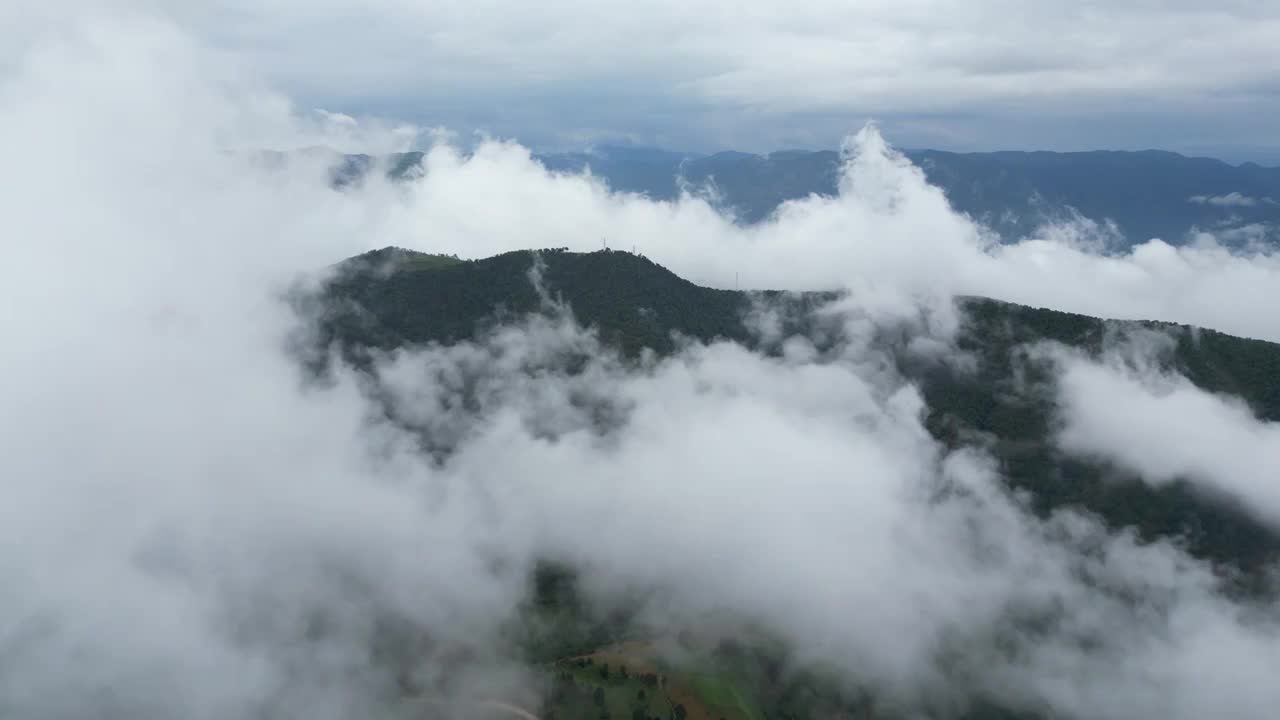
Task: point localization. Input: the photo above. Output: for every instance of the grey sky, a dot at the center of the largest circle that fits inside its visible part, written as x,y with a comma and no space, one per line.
763,74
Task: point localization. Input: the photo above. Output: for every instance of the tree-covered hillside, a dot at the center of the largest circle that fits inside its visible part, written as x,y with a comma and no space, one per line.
633,302
392,298
601,665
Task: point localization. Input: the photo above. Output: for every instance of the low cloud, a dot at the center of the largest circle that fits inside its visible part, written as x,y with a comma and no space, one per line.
1163,428
804,494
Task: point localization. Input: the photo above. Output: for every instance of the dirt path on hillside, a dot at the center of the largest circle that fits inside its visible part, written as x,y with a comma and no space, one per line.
508,707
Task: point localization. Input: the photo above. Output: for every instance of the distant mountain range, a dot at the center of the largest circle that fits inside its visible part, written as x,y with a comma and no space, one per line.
1147,194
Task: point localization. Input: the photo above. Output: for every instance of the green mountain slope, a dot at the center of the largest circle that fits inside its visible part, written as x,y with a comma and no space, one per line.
392,298
634,302
1003,400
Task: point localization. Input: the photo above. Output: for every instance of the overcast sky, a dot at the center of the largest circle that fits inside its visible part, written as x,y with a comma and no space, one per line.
760,75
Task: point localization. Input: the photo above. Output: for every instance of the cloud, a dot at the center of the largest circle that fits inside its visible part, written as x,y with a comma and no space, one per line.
880,44
827,483
1163,428
192,530
175,545
681,73
1232,199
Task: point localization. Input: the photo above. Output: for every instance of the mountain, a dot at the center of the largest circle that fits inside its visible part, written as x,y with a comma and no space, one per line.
1147,194
609,665
392,298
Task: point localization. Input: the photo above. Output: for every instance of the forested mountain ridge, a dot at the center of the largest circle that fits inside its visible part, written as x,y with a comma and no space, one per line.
607,665
392,298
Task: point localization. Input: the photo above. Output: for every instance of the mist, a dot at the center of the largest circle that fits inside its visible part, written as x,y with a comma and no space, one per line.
1164,428
193,528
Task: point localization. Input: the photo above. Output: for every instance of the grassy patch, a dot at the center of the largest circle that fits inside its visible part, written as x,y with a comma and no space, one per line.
721,694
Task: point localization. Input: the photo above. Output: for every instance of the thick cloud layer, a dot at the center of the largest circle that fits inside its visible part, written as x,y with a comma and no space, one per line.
191,530
798,494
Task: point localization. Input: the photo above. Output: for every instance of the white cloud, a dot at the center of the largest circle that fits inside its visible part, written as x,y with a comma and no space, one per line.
1164,428
796,494
1232,199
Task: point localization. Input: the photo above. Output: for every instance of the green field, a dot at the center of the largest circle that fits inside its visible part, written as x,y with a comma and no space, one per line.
720,693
